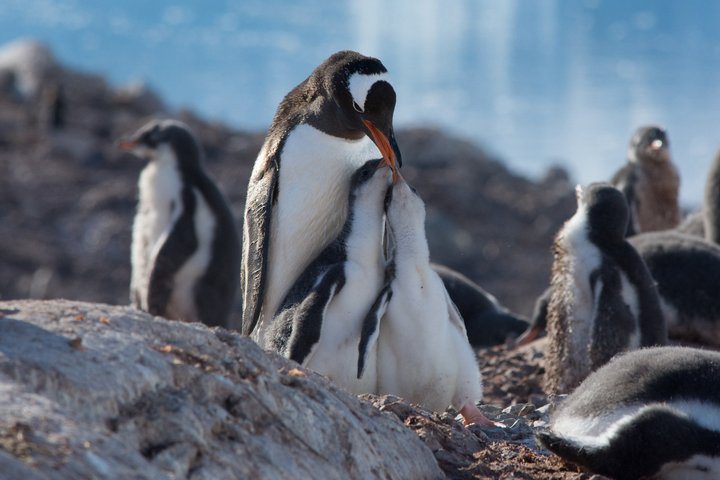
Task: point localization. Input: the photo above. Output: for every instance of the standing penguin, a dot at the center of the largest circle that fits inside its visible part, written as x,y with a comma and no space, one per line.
650,182
324,129
603,298
318,325
652,413
185,248
423,354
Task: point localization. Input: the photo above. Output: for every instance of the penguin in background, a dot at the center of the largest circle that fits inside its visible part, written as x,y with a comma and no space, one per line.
413,333
487,322
319,323
328,126
603,299
185,249
650,182
651,413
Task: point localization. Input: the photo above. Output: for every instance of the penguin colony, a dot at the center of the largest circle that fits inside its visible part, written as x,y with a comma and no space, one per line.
334,273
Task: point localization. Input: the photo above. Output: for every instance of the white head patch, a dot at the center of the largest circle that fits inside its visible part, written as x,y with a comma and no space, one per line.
360,84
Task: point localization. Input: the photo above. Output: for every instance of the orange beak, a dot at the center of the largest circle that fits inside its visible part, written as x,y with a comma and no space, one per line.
385,148
127,145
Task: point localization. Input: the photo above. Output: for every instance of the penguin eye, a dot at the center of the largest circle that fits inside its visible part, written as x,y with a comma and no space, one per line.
357,107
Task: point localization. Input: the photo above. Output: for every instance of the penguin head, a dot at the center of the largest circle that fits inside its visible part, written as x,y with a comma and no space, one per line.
606,211
363,101
372,176
649,143
159,136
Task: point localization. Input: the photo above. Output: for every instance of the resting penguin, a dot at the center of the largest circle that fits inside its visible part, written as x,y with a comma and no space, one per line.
423,354
650,182
320,320
603,298
687,272
487,322
652,413
185,247
324,129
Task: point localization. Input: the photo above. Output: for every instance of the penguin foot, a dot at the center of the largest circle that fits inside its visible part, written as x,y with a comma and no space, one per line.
473,416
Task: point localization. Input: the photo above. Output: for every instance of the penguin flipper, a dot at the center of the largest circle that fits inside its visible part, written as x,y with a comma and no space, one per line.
309,314
256,243
179,245
613,321
371,326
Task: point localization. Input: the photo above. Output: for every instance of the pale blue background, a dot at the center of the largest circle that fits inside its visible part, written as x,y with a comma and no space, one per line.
536,82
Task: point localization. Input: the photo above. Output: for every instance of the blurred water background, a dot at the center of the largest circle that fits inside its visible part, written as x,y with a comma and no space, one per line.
536,83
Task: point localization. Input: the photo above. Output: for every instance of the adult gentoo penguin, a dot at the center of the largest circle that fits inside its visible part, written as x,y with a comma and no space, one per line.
487,322
603,298
185,247
423,354
650,182
324,129
320,320
652,413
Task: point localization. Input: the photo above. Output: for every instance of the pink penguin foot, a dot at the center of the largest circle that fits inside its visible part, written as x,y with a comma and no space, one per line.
473,416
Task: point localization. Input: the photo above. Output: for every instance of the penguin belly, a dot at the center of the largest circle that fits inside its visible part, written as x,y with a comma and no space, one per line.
311,208
182,302
159,207
422,356
336,353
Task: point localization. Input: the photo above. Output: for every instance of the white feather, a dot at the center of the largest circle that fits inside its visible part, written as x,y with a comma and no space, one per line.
182,301
599,431
315,171
160,187
360,84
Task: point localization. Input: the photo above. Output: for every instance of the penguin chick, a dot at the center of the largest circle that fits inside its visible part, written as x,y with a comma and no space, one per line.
687,272
603,298
423,354
185,247
320,320
651,413
650,182
487,322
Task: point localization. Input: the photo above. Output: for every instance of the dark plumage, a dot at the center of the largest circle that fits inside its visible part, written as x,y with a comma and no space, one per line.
603,299
486,321
330,145
649,412
650,182
186,249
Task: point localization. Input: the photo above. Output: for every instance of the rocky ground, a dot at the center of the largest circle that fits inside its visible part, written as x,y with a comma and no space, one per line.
67,199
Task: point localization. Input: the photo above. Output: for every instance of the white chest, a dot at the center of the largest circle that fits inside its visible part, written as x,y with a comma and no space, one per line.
315,171
159,206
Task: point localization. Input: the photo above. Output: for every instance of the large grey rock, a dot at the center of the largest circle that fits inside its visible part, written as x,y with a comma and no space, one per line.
95,391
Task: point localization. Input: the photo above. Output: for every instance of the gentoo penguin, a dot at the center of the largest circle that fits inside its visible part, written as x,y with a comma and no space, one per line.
487,322
603,298
185,247
423,353
538,320
324,129
651,413
706,223
687,272
650,182
320,321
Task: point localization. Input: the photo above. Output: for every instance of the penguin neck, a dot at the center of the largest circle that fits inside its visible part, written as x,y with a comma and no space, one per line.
411,246
364,229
